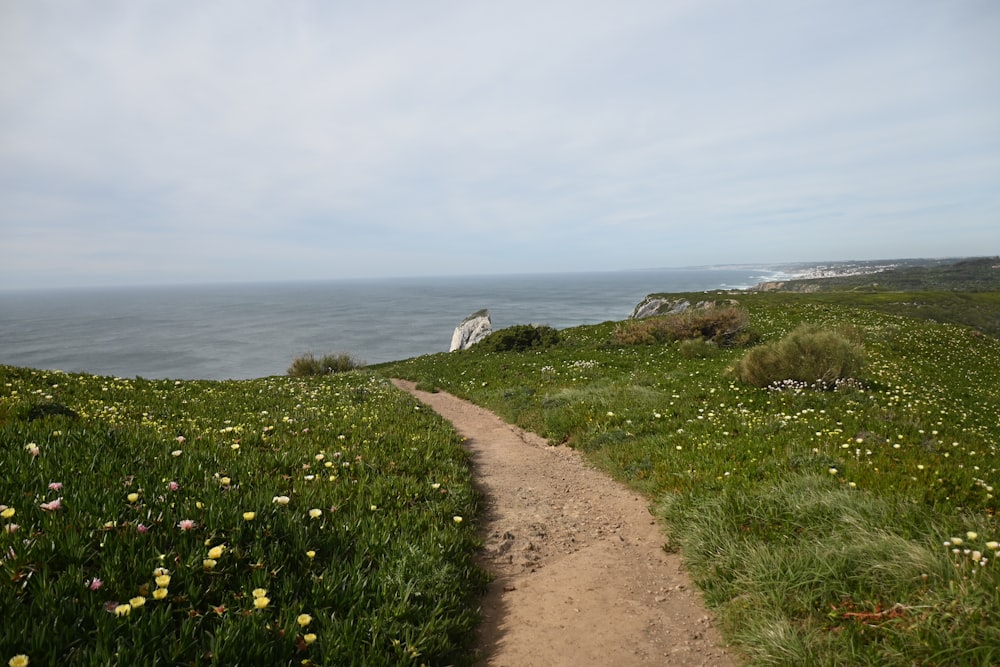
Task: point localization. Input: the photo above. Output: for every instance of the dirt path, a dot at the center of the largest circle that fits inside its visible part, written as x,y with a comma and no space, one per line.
581,575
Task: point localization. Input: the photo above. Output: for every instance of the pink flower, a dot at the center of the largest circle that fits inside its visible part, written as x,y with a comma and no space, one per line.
10,528
94,584
142,528
173,486
186,524
180,439
34,451
52,505
55,486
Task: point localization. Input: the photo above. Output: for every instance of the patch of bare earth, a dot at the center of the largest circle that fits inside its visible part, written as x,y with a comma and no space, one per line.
581,575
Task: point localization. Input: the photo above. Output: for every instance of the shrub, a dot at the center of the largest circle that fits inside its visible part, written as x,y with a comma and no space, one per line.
520,337
309,364
808,354
725,326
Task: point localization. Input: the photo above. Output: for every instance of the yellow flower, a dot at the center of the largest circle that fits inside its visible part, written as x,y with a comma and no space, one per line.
137,601
971,535
224,481
311,553
260,603
133,497
304,620
21,660
123,610
8,513
163,580
160,571
456,519
159,593
209,563
259,592
216,552
309,638
249,516
315,514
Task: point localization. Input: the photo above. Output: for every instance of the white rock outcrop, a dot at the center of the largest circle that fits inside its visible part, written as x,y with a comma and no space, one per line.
473,329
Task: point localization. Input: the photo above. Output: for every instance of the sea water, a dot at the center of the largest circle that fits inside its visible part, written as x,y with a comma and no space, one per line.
256,330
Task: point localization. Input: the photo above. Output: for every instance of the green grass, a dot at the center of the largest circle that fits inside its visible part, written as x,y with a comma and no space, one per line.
815,521
366,545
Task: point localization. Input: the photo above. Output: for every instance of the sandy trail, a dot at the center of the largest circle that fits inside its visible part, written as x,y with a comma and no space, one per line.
581,576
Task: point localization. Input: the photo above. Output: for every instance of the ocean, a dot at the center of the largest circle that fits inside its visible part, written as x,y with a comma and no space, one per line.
231,331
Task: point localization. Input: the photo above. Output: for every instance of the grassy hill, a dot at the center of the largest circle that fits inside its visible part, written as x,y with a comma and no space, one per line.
847,526
329,520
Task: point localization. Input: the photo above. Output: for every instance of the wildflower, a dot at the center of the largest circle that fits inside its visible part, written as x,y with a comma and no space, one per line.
225,481
11,528
957,541
993,545
173,486
7,512
832,471
436,486
977,555
249,516
163,580
259,592
186,524
176,453
137,601
310,554
133,497
456,519
315,513
309,638
374,507
160,571
972,535
52,506
261,602
142,528
55,486
180,440
216,552
34,450
209,563
21,660
304,619
159,593
281,500
123,610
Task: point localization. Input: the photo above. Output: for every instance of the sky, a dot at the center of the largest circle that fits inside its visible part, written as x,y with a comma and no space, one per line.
149,142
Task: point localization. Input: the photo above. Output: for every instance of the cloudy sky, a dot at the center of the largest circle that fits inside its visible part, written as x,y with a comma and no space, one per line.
178,142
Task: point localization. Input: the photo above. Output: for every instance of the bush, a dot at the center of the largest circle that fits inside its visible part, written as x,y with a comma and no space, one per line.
725,326
809,354
520,337
309,364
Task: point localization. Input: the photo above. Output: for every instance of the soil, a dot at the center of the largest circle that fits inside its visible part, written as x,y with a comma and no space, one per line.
581,576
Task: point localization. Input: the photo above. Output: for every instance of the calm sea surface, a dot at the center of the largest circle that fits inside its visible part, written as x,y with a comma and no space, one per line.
246,331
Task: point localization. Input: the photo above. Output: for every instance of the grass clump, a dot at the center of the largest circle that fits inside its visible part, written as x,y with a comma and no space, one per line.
810,354
308,364
723,325
519,338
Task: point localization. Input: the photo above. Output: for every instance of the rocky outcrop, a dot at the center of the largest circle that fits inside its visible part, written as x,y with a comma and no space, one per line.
654,305
473,329
657,305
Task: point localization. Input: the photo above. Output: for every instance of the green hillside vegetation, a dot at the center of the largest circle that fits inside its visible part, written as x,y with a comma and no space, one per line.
979,274
843,519
837,523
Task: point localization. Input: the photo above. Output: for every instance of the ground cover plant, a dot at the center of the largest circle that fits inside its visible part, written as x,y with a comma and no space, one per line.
326,521
845,523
